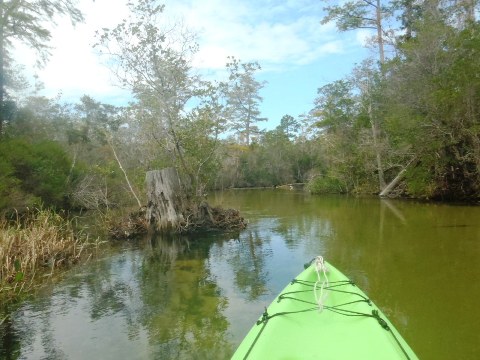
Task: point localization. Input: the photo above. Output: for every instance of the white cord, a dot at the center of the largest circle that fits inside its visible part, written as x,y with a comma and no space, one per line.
320,268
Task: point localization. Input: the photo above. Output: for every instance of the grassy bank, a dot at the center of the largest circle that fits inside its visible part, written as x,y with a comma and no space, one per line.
33,246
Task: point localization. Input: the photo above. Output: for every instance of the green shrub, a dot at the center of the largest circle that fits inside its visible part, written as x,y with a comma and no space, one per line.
419,182
325,185
33,173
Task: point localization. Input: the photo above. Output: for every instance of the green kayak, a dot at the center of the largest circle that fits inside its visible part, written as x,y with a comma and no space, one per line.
321,314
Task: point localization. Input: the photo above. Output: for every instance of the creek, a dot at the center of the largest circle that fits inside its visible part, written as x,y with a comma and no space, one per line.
196,297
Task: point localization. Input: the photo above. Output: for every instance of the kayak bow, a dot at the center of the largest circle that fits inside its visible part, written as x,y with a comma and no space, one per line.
321,314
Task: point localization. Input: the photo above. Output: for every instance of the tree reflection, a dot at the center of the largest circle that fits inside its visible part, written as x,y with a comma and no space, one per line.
9,339
182,305
248,262
162,295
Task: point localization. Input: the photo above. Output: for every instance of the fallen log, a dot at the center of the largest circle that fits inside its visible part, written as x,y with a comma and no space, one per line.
395,181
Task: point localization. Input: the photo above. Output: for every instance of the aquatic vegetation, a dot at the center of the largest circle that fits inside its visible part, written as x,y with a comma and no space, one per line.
33,246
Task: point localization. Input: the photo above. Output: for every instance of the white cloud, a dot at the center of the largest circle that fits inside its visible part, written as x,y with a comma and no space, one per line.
363,36
74,68
211,57
256,31
279,35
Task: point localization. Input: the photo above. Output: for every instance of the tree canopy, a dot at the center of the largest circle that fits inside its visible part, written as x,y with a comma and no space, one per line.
409,120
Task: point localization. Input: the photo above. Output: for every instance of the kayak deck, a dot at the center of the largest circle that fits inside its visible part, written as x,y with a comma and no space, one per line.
349,326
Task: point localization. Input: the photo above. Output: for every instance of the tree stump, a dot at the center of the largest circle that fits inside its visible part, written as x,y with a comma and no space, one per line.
164,200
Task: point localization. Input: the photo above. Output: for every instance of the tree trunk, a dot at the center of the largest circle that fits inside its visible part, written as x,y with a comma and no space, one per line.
378,18
110,142
395,181
164,196
392,184
378,155
2,68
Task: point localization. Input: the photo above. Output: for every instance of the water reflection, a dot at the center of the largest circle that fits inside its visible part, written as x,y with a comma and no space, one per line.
10,345
190,323
155,303
248,259
195,298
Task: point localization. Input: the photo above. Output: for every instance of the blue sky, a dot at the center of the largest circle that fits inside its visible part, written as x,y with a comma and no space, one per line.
297,54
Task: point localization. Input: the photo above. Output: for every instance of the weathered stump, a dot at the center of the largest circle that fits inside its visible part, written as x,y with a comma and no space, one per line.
164,200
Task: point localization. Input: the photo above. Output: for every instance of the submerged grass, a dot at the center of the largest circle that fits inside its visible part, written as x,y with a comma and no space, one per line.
33,247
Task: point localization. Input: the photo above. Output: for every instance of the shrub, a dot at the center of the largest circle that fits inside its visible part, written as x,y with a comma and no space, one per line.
33,173
325,185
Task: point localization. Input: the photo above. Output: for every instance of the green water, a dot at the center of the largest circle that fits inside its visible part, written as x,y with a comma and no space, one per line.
195,298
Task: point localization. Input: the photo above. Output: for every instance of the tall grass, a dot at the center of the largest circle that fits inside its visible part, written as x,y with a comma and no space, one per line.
34,245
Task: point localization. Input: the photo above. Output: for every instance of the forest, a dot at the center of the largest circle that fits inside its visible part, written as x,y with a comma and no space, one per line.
405,123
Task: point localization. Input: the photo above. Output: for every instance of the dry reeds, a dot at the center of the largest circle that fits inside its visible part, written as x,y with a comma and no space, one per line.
37,243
